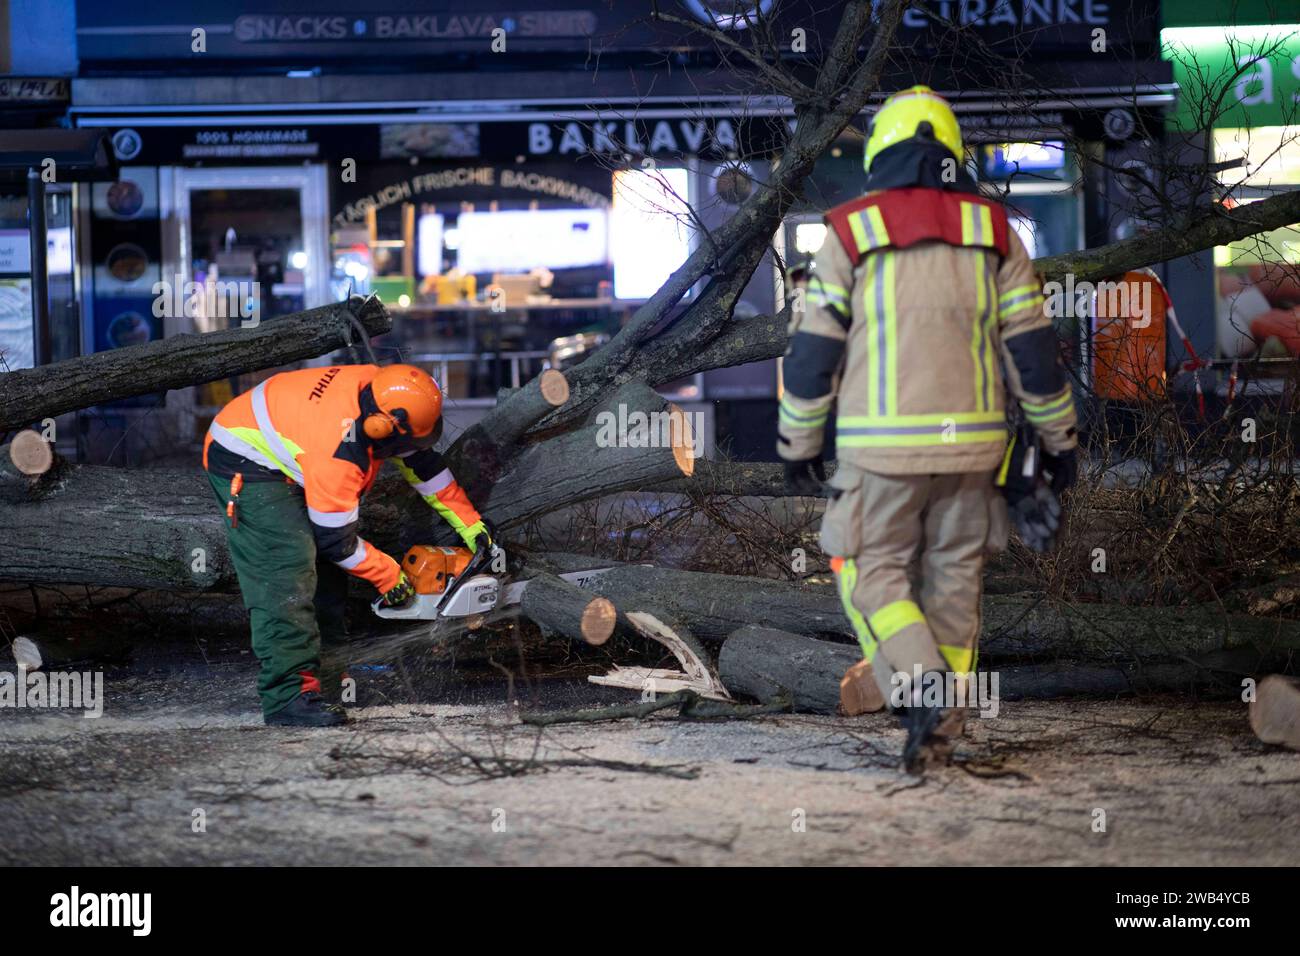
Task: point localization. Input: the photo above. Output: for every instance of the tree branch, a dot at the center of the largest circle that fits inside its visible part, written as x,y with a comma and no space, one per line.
642,342
781,81
1216,227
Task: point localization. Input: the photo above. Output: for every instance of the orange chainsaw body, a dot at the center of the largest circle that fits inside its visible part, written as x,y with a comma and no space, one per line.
430,569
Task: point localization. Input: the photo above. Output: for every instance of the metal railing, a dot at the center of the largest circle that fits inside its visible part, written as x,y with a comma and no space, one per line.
441,362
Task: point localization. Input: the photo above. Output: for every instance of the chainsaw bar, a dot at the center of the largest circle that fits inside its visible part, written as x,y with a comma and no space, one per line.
471,599
472,593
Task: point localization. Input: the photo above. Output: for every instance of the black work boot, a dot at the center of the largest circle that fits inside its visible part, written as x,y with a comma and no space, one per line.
920,723
925,724
306,710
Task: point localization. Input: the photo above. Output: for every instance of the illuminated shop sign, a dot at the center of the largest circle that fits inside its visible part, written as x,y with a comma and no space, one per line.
680,136
589,187
1256,68
279,28
504,140
1015,13
1066,25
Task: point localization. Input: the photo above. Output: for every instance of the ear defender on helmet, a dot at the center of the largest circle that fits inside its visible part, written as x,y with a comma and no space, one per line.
379,426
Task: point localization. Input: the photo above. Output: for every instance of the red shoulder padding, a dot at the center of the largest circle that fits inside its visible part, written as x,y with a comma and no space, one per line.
918,215
837,220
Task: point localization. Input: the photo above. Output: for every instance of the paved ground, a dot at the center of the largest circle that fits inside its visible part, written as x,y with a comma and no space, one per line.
181,750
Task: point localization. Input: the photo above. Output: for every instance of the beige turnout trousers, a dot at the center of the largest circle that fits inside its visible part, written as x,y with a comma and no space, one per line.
910,552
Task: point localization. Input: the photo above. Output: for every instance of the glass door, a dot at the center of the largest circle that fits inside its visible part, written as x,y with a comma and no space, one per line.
253,241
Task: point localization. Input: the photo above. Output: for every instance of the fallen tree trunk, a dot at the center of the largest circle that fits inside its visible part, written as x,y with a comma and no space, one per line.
1016,630
160,529
564,608
33,394
764,479
111,526
481,452
1019,629
769,665
1086,678
715,605
163,529
635,439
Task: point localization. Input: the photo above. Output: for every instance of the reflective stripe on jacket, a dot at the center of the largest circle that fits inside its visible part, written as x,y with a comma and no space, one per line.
305,424
434,482
917,302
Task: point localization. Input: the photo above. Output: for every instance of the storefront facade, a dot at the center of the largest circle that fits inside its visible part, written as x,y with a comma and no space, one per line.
304,156
1241,87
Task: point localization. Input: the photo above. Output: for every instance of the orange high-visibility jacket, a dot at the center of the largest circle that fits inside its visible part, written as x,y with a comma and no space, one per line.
305,426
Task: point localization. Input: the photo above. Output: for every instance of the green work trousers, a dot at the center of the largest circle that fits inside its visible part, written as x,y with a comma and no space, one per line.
293,600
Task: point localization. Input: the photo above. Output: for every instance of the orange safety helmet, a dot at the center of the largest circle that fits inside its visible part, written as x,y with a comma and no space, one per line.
409,401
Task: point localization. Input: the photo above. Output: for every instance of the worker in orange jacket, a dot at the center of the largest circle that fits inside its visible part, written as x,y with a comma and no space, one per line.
289,462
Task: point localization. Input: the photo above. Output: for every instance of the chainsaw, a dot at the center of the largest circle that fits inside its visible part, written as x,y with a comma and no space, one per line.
455,583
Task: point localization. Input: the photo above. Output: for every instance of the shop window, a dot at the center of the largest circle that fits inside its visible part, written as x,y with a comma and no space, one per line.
518,241
490,271
1258,279
250,241
1030,160
17,338
17,349
650,229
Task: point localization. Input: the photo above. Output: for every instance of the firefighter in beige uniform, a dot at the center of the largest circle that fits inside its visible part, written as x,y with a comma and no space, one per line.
921,309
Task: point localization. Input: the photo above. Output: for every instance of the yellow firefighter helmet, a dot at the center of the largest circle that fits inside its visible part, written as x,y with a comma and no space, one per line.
902,114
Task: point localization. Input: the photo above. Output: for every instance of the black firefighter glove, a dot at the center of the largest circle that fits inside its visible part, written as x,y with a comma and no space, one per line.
805,477
401,593
1063,469
1036,517
1032,505
485,539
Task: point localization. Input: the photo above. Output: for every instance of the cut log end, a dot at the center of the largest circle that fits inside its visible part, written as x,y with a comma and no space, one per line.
683,440
859,692
27,654
35,652
31,454
1275,712
562,607
598,620
554,387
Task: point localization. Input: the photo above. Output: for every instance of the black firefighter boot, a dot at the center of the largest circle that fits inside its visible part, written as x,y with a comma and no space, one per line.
920,723
306,710
925,745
